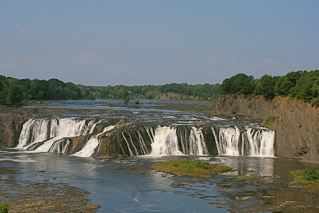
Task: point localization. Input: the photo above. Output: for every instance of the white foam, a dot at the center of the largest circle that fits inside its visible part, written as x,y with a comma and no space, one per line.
92,144
28,160
165,142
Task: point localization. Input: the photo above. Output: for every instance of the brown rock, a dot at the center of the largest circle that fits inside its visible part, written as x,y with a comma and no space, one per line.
296,122
11,122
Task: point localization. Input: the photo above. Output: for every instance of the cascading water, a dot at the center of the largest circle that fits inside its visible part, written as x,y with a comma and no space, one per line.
197,145
60,146
255,141
92,144
33,131
56,135
260,141
165,142
48,131
228,141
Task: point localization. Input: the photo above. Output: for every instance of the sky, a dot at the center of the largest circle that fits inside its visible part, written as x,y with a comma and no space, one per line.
110,42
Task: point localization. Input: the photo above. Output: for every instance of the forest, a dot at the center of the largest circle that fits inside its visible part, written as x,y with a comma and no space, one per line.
302,85
298,84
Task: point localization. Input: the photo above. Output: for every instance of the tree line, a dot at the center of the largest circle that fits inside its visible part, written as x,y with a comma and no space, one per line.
299,84
302,85
197,91
15,91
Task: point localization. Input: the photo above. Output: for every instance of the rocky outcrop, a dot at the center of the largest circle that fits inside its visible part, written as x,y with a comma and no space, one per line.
13,118
174,96
11,122
296,123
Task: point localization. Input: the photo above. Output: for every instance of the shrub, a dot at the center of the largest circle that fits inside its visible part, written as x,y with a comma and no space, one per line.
270,120
4,207
306,175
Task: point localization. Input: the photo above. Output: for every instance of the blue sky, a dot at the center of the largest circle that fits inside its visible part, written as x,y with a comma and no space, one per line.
97,42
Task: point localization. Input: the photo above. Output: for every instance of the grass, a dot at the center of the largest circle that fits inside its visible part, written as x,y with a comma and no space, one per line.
309,178
194,168
4,207
4,170
270,120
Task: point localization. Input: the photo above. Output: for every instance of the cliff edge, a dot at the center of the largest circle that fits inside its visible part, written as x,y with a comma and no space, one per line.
296,122
11,122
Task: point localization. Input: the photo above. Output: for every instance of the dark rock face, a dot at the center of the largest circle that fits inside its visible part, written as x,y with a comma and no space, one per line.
296,123
104,136
11,122
118,142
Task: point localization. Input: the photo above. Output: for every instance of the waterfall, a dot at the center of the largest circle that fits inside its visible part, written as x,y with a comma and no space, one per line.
197,145
253,141
58,135
60,146
47,131
261,141
33,131
128,145
92,144
228,141
165,142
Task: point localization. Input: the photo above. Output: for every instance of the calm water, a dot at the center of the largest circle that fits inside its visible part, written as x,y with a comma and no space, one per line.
143,106
130,185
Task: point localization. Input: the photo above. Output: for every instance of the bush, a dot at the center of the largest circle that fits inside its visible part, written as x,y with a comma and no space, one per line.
270,120
202,164
306,175
238,84
4,207
310,175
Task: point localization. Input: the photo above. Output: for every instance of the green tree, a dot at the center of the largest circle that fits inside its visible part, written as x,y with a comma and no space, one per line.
12,93
286,83
238,84
266,86
307,86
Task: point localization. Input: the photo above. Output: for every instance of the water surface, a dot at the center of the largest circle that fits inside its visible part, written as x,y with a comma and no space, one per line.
130,185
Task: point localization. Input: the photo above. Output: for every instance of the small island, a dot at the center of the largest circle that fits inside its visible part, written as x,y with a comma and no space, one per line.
194,168
308,178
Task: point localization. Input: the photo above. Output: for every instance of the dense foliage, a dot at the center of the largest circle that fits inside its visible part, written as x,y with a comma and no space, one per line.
306,175
185,91
14,91
4,207
301,84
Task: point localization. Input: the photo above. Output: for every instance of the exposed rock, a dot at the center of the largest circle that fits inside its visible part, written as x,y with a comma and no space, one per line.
13,118
77,143
174,96
296,122
27,196
11,122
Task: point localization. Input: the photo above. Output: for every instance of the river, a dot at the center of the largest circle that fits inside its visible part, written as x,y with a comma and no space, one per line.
122,180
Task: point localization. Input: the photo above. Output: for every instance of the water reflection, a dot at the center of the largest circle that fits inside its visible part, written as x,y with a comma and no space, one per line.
130,185
260,167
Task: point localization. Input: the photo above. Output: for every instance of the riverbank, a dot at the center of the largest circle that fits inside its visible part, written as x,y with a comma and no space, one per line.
295,122
13,118
32,196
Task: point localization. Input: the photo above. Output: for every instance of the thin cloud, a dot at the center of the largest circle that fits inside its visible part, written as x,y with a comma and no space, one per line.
270,63
5,66
23,31
88,57
215,59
